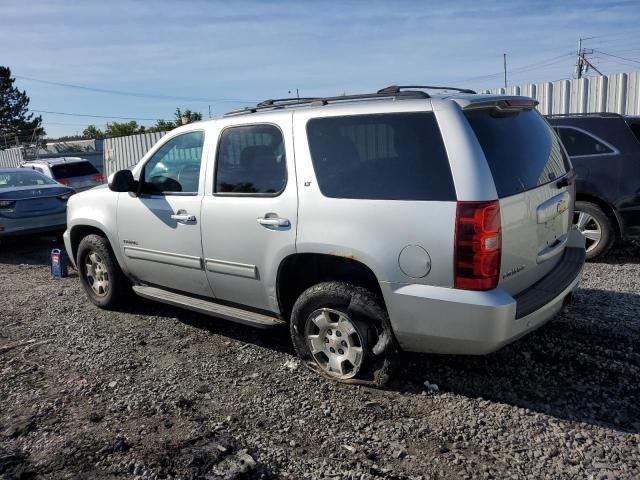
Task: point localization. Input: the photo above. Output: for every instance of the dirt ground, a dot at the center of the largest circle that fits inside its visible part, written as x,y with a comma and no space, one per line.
158,392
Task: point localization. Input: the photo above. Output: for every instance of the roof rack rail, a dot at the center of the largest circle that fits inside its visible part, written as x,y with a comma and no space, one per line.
399,88
273,104
586,114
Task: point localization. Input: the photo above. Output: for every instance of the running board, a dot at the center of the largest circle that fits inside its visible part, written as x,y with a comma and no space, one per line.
206,307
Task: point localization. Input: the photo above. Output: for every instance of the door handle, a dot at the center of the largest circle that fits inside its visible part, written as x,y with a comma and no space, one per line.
273,221
553,249
183,217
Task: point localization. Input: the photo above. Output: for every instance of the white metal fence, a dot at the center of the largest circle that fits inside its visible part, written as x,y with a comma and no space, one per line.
618,93
124,152
11,157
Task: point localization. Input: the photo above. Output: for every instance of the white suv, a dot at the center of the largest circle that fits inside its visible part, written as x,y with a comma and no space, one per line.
398,220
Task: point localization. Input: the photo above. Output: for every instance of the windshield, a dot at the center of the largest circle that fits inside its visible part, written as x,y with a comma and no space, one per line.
24,179
521,149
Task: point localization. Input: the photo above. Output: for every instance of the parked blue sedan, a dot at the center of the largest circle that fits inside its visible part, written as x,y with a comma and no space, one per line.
31,203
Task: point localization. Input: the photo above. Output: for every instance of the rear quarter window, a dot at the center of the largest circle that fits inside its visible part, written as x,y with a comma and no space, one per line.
70,170
521,149
395,156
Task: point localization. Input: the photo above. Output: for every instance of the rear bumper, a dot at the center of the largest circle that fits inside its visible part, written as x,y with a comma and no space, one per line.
445,320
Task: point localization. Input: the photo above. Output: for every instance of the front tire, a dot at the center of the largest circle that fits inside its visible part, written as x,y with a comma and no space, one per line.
596,226
341,331
100,274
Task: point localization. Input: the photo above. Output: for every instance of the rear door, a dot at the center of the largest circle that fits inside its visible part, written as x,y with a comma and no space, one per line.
531,172
249,214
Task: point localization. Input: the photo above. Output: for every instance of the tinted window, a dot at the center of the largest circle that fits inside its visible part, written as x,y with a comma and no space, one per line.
70,170
580,143
24,179
635,128
251,159
175,167
396,156
521,149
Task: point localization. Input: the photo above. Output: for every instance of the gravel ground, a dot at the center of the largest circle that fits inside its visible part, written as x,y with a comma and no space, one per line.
157,392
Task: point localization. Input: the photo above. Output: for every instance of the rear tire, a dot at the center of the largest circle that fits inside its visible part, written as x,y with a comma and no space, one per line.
342,332
597,228
100,275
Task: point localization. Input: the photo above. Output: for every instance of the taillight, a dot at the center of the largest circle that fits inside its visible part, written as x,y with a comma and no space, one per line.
66,196
98,178
63,181
7,203
477,245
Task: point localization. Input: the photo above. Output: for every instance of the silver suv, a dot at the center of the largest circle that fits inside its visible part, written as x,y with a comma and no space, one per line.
75,172
398,220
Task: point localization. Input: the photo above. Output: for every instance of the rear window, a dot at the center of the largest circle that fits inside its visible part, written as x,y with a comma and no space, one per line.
68,170
395,156
24,179
521,149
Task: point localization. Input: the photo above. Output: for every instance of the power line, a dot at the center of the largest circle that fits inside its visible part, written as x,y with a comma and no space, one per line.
616,56
524,68
99,116
134,94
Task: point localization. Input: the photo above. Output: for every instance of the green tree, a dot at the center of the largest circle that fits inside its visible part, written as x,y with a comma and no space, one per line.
15,118
116,129
182,118
93,132
162,126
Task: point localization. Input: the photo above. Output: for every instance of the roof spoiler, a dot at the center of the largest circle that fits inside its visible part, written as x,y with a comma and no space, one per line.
504,105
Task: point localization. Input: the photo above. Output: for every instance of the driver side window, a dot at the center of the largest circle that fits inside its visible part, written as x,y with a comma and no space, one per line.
175,167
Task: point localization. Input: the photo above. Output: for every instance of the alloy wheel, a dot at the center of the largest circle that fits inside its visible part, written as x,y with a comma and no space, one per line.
334,342
97,274
590,228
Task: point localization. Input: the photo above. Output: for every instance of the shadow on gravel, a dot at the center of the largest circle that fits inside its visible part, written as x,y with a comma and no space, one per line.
582,366
627,252
28,250
276,339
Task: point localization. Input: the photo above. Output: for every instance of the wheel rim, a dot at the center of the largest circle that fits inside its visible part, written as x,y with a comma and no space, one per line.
97,274
334,342
590,228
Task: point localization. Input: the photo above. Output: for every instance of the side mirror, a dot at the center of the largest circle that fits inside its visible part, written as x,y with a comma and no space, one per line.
122,181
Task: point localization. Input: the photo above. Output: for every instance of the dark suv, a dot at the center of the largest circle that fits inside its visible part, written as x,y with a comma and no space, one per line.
605,152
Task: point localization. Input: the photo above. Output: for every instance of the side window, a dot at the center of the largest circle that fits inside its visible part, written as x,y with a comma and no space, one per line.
251,159
391,156
175,167
580,143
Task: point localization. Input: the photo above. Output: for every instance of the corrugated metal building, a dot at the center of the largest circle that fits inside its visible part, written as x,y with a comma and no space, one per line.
124,152
618,93
11,157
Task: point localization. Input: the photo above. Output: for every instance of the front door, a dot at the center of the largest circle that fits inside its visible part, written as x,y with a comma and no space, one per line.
249,222
159,229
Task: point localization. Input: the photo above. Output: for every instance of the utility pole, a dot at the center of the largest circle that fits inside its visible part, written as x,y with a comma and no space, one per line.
582,63
504,61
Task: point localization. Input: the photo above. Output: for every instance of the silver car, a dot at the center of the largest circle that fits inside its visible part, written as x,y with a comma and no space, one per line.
31,203
75,172
397,220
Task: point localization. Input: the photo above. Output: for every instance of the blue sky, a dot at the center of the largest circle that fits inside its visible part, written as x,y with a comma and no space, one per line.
230,54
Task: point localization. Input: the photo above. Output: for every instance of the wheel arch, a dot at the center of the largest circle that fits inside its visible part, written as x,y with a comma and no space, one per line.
79,231
299,271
